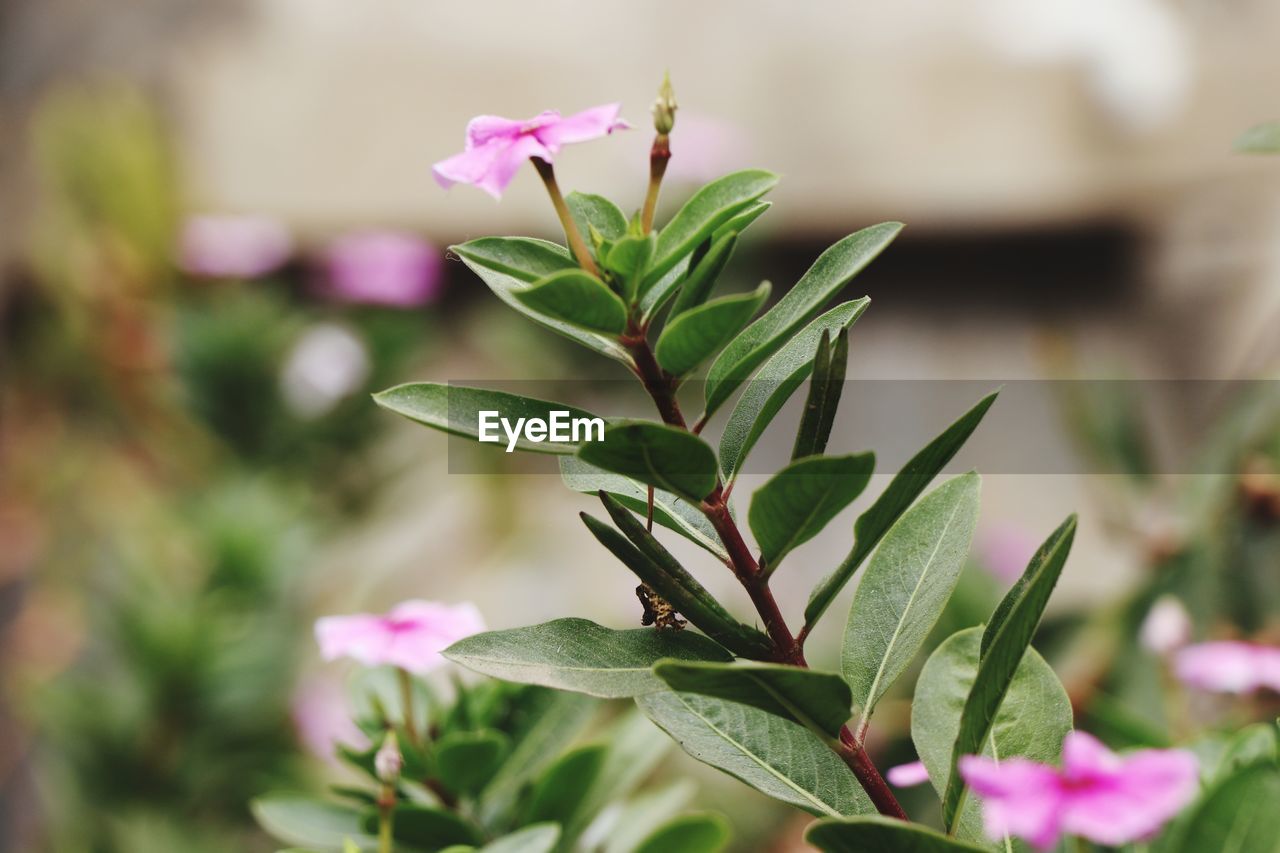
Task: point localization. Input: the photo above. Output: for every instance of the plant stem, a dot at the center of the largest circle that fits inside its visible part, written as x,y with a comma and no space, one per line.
386,812
787,649
406,702
579,246
659,155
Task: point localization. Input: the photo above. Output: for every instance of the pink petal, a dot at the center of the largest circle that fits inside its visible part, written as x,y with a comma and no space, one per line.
490,166
1225,667
362,637
1133,800
1167,626
581,127
1020,798
1268,662
233,246
411,636
1083,756
907,775
482,129
382,268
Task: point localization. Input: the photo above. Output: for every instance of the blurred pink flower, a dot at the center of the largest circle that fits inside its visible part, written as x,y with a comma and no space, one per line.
323,720
1166,628
1101,796
233,246
496,146
388,268
1004,550
909,774
411,636
1229,666
704,147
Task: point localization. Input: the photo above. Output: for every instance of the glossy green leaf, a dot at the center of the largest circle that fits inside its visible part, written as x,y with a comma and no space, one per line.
590,211
579,655
708,209
1238,814
654,565
777,757
874,833
303,820
819,701
1031,721
509,264
427,827
825,388
781,375
577,298
456,409
628,258
691,833
902,491
657,455
1004,642
546,722
561,790
700,332
801,499
465,761
702,279
669,511
536,838
1260,139
905,588
829,274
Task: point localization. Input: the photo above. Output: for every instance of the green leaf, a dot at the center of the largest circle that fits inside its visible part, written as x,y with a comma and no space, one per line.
427,827
657,295
577,298
708,209
817,700
508,264
739,222
657,455
697,287
456,409
905,487
781,375
800,500
775,756
691,833
1250,745
1238,814
1261,139
628,258
578,655
905,588
670,511
634,747
1030,593
825,388
538,838
694,336
545,722
595,211
558,794
655,566
829,274
876,833
1004,642
645,811
465,761
309,822
1031,721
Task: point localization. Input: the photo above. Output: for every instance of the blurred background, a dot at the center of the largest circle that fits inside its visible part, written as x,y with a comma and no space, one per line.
220,233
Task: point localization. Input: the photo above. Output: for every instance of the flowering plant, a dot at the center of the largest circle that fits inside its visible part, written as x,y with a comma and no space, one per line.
990,720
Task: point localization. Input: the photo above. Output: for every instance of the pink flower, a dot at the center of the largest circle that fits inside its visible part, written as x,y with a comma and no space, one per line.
411,636
1167,627
233,246
1004,551
1104,797
1229,666
382,268
496,146
909,774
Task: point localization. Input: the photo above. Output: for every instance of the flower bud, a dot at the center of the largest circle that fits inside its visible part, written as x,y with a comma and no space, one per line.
388,761
1167,627
664,107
